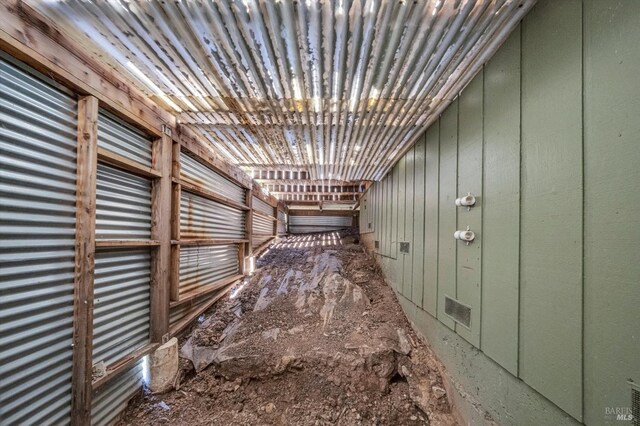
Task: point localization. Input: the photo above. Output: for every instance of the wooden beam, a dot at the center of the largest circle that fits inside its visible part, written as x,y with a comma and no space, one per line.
322,213
194,144
275,220
315,193
161,231
123,364
127,243
206,290
35,39
269,199
124,163
263,246
178,326
185,185
176,192
87,164
206,242
248,224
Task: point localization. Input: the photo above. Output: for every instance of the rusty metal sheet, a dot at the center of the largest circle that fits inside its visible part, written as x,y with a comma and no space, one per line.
336,88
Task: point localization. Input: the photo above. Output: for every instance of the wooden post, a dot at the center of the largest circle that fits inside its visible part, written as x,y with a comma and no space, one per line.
249,225
275,222
176,193
161,231
85,250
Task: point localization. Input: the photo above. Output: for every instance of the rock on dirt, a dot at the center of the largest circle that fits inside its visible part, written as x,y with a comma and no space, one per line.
316,337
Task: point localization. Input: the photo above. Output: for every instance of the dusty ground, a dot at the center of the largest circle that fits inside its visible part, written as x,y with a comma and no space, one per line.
315,337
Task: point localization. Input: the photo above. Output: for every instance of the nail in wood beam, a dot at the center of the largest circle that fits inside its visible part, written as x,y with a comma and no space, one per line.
161,231
85,250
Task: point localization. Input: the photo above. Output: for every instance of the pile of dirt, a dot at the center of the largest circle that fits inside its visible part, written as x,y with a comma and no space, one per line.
315,336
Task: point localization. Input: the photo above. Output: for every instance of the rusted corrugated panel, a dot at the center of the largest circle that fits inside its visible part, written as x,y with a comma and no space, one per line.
204,218
38,128
337,88
209,179
262,206
204,266
123,205
121,313
111,399
123,139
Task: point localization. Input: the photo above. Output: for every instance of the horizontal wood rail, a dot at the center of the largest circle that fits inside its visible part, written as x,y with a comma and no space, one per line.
123,364
260,248
124,163
127,243
205,290
186,186
184,322
206,242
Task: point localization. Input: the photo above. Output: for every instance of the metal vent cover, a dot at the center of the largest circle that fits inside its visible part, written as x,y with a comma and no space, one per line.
405,247
370,225
376,244
459,312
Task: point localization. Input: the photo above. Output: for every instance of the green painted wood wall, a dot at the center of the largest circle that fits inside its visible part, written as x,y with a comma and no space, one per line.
547,137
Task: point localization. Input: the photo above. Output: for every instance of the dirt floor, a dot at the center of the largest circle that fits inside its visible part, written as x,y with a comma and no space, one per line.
314,337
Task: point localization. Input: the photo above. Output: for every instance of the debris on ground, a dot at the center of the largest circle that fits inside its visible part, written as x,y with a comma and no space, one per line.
314,337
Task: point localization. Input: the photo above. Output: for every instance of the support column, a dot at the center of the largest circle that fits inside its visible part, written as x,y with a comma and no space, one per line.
85,249
161,231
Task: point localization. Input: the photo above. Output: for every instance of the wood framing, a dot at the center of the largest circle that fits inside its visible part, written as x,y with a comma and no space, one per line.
206,290
37,41
127,243
248,224
174,267
85,250
192,143
180,325
210,195
123,364
124,163
161,231
206,242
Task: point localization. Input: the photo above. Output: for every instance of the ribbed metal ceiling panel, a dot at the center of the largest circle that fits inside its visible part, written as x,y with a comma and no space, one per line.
336,87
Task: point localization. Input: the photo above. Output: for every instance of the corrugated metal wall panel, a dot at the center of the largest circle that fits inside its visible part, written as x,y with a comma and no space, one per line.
204,218
121,303
203,266
123,139
320,220
260,240
192,169
262,225
261,206
110,400
37,229
307,224
176,313
123,205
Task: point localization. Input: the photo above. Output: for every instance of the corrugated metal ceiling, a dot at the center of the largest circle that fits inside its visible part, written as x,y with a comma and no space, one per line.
338,88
